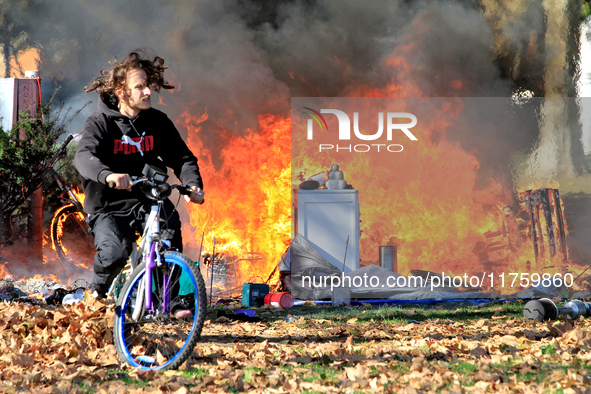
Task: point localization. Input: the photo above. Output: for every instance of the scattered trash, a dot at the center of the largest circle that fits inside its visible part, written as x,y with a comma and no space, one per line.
223,317
247,312
290,319
59,296
223,301
56,296
39,291
6,286
74,298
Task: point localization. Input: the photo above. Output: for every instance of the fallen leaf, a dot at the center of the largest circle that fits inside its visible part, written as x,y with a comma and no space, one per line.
480,323
358,372
479,352
481,375
349,341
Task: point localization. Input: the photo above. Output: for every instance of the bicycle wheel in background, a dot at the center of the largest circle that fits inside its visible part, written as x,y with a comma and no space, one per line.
70,237
153,339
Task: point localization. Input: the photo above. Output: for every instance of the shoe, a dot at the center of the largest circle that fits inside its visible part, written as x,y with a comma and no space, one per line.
183,314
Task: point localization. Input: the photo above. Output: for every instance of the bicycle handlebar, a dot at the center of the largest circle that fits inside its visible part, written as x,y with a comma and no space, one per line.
182,189
61,152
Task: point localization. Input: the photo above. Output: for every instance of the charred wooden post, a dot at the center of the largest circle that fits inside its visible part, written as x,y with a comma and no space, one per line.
546,206
527,198
560,221
536,201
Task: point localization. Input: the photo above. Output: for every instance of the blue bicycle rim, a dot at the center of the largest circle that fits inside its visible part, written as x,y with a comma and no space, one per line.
169,258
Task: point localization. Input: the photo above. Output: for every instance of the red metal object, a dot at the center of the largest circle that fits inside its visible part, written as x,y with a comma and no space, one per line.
284,300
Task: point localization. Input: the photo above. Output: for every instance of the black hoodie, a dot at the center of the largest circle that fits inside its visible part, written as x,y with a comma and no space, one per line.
113,143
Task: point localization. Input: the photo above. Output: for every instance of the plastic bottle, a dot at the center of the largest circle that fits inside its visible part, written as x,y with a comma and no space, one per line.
73,298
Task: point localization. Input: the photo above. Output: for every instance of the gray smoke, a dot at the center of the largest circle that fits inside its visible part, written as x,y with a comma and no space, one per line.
237,59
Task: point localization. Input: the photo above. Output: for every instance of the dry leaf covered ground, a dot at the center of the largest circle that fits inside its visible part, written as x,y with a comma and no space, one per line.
323,349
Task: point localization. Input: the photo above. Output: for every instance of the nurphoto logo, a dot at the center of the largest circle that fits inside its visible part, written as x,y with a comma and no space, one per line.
393,123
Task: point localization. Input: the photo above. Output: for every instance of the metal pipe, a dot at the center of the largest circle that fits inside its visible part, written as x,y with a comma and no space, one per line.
389,257
211,279
346,248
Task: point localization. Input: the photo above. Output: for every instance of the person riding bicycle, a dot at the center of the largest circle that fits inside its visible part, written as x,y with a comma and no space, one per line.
123,135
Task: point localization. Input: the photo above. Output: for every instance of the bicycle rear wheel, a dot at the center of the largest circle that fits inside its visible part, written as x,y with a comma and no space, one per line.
70,237
155,339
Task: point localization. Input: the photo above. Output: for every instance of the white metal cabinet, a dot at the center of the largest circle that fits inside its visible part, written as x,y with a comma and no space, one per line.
326,218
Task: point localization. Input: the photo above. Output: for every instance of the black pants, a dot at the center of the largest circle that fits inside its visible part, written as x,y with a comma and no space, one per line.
115,233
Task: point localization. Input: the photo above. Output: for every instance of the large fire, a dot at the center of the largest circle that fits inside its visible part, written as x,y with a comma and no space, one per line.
428,201
247,207
432,206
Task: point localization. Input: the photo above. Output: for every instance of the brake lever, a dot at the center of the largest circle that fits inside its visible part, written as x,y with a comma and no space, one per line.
134,180
183,189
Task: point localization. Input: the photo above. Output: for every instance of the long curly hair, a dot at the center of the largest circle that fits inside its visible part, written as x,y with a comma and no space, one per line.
116,76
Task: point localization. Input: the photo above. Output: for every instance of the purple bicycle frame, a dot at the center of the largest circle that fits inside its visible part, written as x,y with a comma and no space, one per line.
150,261
150,265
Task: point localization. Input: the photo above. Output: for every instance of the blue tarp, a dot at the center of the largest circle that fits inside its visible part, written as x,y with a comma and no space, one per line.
423,302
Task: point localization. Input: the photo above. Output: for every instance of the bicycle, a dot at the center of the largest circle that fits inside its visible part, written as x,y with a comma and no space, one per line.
69,233
146,333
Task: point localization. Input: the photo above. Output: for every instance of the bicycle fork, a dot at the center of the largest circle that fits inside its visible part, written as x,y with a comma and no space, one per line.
152,260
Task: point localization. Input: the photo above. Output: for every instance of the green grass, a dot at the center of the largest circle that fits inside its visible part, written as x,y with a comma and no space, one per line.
87,387
513,370
389,314
549,349
463,367
194,373
119,374
249,373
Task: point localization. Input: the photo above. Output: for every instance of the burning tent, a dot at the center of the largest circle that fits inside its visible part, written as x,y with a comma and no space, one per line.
313,278
305,261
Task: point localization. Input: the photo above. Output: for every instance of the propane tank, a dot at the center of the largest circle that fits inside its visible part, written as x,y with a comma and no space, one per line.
544,309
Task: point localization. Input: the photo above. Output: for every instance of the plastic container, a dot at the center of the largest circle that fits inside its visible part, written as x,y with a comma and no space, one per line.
283,300
247,312
253,294
73,298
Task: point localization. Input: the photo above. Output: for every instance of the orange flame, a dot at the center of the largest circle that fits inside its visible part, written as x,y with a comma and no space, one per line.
25,60
3,271
245,217
79,195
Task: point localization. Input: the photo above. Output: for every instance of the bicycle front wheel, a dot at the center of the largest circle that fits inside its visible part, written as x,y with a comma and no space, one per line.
154,339
70,237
